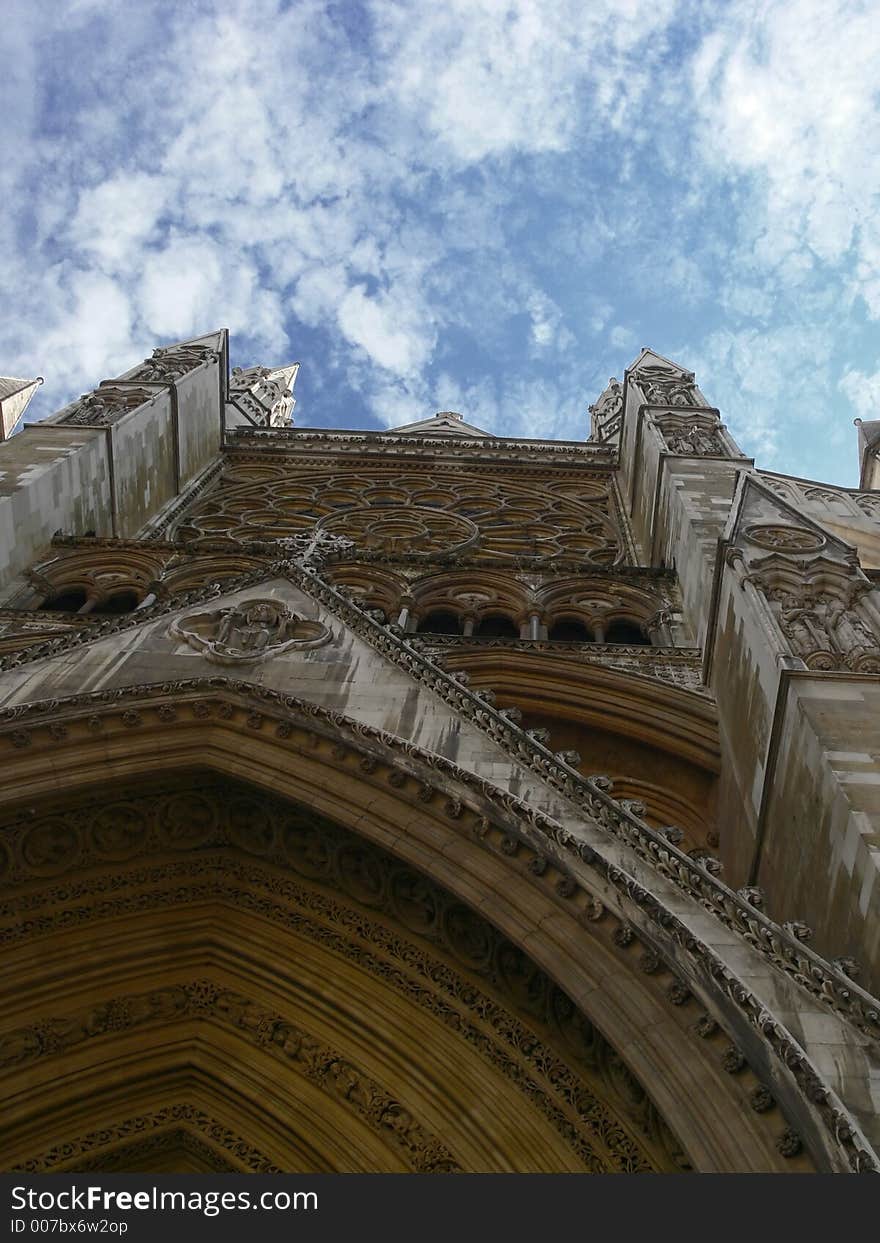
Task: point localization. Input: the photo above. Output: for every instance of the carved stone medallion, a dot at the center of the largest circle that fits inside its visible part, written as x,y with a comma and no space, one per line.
783,538
250,631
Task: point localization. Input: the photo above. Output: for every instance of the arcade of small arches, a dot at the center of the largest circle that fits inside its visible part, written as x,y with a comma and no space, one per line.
471,602
481,603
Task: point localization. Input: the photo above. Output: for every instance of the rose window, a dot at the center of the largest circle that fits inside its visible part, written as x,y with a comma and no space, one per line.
397,514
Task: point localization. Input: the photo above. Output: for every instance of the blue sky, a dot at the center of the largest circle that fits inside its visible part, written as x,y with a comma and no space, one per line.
473,205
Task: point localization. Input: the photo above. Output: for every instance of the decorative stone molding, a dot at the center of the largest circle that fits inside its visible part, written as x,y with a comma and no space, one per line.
170,363
666,388
250,631
791,539
682,667
106,405
692,437
111,1148
319,852
327,1068
377,444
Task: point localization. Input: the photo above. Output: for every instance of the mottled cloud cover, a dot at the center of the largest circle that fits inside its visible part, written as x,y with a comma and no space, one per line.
479,205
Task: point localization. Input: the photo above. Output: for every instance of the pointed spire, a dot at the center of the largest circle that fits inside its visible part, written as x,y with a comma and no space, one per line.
15,396
605,414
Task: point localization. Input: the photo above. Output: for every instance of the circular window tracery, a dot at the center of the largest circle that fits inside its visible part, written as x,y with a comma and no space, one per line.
512,518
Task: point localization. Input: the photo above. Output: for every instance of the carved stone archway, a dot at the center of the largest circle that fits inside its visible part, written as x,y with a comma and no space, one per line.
586,934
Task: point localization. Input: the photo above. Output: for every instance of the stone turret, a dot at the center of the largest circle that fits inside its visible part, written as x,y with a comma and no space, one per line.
262,396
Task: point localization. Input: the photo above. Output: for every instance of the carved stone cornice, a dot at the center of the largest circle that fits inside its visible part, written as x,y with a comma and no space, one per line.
377,444
681,666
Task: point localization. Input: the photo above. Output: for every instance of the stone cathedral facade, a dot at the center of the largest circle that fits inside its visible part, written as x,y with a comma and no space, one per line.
431,801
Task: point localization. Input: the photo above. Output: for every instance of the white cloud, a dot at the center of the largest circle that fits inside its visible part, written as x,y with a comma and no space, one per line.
787,94
392,333
492,77
863,391
622,338
116,218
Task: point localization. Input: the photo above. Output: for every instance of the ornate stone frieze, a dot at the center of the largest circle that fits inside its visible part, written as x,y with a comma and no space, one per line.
169,364
249,631
106,405
378,444
666,388
818,604
115,1147
691,437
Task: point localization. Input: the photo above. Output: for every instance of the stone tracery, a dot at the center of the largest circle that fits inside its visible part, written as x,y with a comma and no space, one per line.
411,513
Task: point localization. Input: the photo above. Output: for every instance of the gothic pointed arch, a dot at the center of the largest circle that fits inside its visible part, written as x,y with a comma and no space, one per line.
514,898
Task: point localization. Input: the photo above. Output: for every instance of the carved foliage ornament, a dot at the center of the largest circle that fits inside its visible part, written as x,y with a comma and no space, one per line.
691,437
106,405
250,631
166,365
665,388
826,630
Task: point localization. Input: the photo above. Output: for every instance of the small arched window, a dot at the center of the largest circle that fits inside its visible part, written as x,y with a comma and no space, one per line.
69,600
624,631
570,630
440,621
119,602
496,626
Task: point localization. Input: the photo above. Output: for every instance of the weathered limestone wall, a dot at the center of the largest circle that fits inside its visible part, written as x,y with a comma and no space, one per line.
144,464
799,791
799,805
199,420
51,477
692,510
110,479
748,657
821,837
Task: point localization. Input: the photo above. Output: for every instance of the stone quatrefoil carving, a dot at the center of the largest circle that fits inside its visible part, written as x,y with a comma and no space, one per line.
250,631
